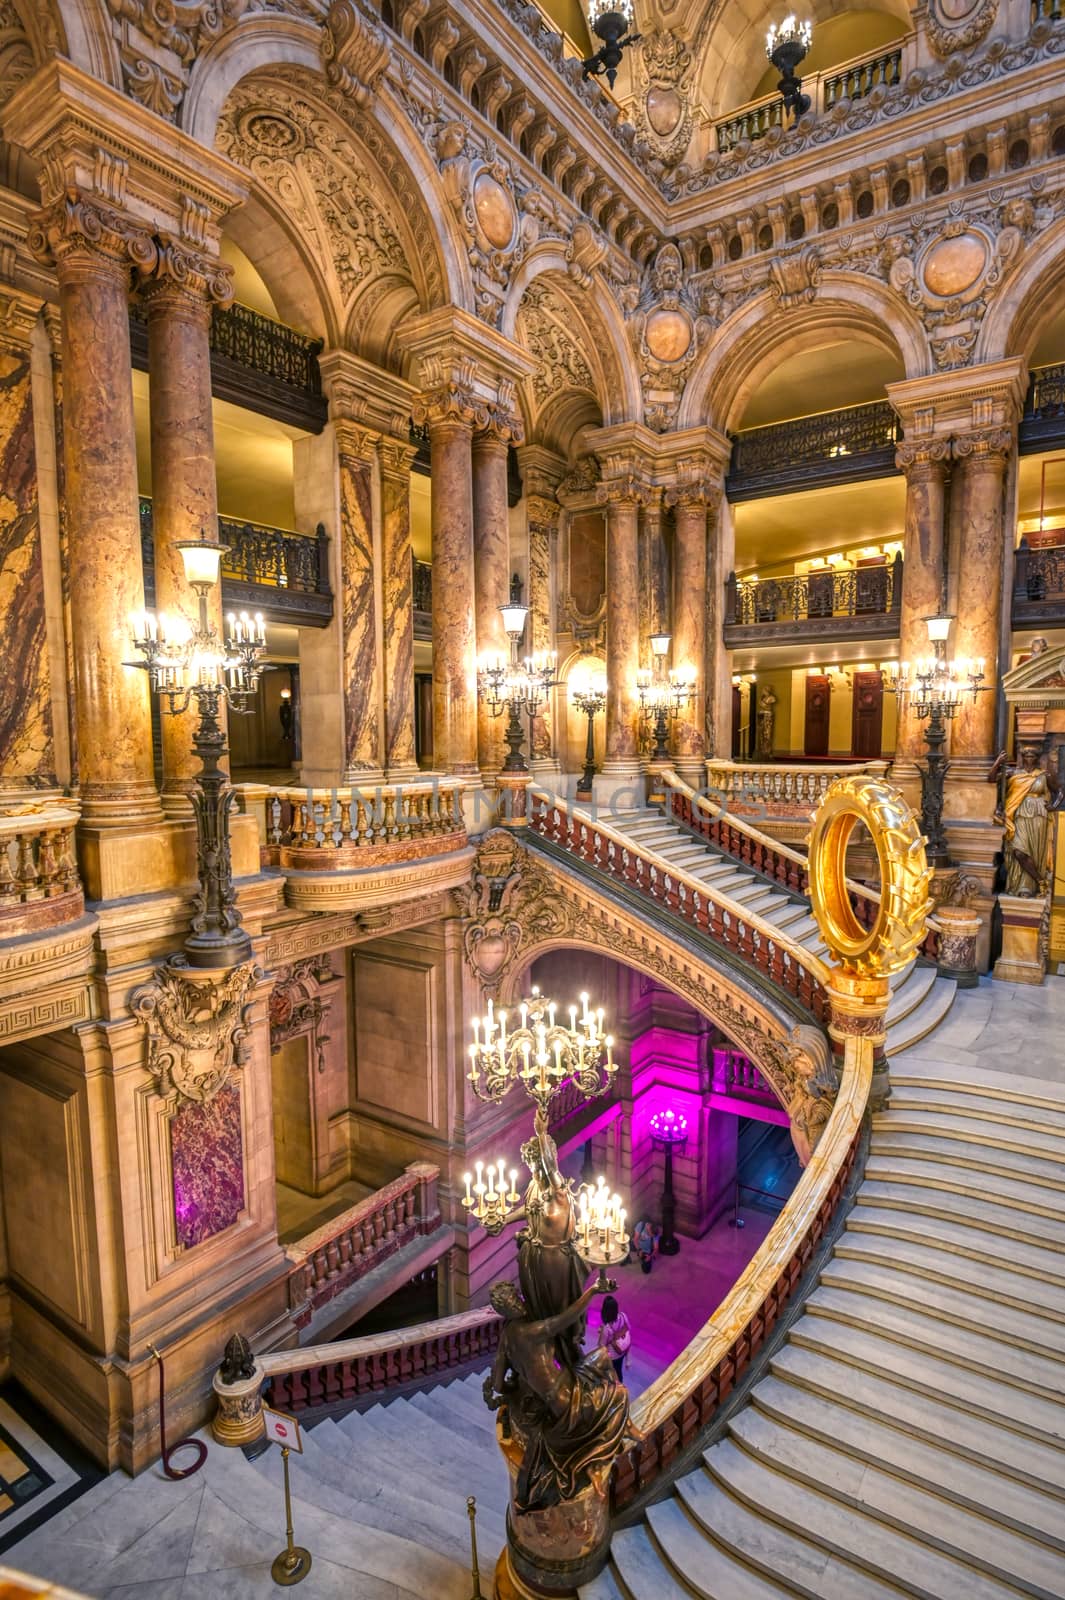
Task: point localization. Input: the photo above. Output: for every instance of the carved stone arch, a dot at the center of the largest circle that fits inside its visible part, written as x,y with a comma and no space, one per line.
1030,300
19,55
261,42
747,344
81,30
262,228
375,317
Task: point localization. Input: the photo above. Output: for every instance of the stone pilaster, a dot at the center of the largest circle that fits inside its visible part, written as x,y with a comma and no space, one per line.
624,495
926,464
93,248
27,742
360,656
179,298
690,618
491,563
654,565
541,474
395,457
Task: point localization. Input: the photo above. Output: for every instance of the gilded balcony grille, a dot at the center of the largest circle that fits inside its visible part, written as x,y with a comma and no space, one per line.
1038,585
423,585
857,81
809,452
1043,420
284,575
863,602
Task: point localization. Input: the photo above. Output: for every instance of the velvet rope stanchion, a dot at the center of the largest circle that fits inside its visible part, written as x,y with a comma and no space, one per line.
167,1451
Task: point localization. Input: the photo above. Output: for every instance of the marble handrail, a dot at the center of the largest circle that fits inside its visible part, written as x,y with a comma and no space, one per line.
345,1248
768,948
671,1413
775,783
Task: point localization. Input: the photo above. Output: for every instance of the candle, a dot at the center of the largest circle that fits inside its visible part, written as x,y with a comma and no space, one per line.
512,1197
469,1197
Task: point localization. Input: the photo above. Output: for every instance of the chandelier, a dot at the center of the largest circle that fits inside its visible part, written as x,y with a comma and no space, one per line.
663,696
601,1237
611,21
541,1053
786,46
516,687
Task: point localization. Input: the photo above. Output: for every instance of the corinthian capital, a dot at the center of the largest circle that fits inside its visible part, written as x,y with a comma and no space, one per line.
694,494
993,445
451,401
76,225
923,457
503,425
182,271
626,488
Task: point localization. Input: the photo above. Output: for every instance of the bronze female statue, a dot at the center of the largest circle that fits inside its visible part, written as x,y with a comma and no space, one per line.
1025,799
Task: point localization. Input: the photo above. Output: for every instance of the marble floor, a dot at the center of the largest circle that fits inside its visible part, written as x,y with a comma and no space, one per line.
1013,1029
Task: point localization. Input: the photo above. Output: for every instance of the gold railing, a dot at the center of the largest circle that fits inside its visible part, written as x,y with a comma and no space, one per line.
344,1249
39,883
323,829
671,1413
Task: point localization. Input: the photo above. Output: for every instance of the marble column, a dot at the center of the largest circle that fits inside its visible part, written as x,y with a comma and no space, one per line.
93,250
54,324
361,659
654,603
622,628
927,467
491,572
720,560
395,457
689,619
981,459
451,415
27,744
543,514
178,299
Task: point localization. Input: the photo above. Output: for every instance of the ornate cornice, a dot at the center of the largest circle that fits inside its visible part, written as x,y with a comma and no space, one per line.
355,51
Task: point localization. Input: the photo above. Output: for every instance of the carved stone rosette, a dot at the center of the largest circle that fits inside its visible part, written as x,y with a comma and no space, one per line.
197,1030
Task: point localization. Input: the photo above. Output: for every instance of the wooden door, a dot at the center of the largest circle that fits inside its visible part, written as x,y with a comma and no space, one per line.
737,717
867,721
818,699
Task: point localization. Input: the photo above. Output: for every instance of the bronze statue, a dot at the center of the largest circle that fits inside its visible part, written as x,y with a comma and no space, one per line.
767,702
1026,796
569,1419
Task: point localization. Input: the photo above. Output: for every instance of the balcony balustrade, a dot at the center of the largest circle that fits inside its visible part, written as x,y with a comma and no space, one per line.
775,790
1038,586
812,452
39,883
858,603
256,362
854,80
284,575
1042,424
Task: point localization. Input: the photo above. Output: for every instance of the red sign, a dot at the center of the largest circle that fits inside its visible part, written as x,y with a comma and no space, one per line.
282,1429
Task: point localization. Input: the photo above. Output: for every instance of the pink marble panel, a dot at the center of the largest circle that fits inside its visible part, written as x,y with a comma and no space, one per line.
207,1162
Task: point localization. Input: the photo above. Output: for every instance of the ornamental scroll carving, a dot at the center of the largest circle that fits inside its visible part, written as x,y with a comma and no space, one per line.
954,25
663,113
197,1031
297,1006
667,330
355,51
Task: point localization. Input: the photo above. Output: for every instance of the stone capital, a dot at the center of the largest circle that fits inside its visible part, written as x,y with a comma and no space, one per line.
962,400
183,275
359,392
355,442
19,315
396,457
450,402
624,485
923,460
454,349
76,229
990,445
541,470
693,494
503,427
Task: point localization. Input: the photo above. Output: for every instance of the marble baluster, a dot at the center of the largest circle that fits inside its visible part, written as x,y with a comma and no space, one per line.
27,745
689,619
179,300
452,414
93,251
395,457
622,628
491,570
361,665
927,467
979,480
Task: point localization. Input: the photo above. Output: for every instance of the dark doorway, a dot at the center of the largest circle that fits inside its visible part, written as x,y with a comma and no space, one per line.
818,701
867,724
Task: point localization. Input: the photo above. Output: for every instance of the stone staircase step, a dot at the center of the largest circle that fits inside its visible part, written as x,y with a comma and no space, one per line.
886,1441
468,1392
909,995
956,1307
933,1419
789,1557
968,1239
1008,1086
934,1265
938,1375
1028,1195
977,1352
455,1416
990,1108
787,916
960,1155
971,1130
924,1018
681,1545
605,1586
849,1533
410,1434
953,1206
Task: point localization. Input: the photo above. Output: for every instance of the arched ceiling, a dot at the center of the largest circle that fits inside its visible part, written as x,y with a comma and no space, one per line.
561,396
837,374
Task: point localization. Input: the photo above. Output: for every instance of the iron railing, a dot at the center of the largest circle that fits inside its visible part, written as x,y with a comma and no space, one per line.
792,610
808,452
284,575
1038,585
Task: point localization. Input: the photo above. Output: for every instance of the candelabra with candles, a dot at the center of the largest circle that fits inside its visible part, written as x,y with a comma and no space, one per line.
192,665
663,696
589,696
515,687
611,21
933,688
787,46
669,1130
601,1237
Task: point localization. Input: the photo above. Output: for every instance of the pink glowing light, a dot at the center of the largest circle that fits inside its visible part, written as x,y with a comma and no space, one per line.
669,1126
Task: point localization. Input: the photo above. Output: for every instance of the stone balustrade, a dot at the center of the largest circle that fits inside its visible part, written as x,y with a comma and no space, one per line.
311,830
852,80
735,1074
39,883
776,789
336,1255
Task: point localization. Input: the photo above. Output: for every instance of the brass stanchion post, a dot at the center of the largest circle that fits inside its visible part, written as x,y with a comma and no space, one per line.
294,1563
471,1508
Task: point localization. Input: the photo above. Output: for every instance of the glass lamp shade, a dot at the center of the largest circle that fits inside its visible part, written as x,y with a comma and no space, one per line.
938,628
514,619
791,30
202,559
660,643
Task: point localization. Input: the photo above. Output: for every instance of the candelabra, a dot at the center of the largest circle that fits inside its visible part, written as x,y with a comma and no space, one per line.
187,665
491,1202
611,22
590,698
933,688
669,1129
541,1053
786,46
515,687
601,1237
662,696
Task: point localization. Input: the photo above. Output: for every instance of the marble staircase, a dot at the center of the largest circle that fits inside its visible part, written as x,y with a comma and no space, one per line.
920,997
909,1438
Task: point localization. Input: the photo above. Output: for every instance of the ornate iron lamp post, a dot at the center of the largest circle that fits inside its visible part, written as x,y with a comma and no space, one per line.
933,687
669,1131
590,698
786,46
186,665
516,686
609,21
662,696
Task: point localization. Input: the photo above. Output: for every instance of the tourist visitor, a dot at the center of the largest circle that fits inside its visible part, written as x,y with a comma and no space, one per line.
645,1238
615,1335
